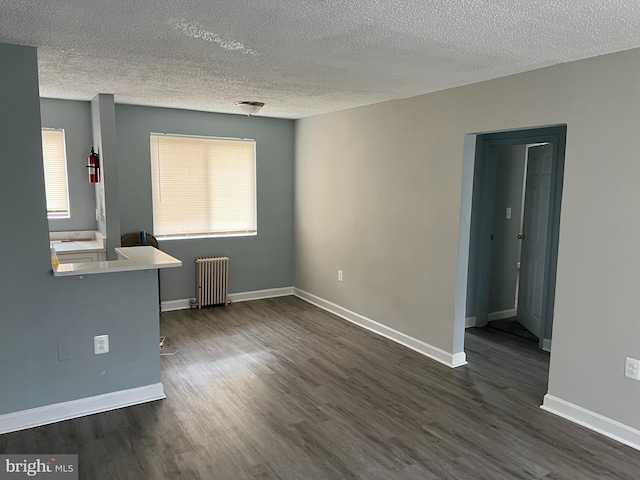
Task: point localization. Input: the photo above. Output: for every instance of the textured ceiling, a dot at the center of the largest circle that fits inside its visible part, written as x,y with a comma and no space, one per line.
302,57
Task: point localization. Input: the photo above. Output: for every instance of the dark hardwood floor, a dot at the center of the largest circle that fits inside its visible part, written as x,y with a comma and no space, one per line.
278,389
513,327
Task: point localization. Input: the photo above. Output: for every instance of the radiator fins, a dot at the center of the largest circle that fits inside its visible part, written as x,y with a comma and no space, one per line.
212,281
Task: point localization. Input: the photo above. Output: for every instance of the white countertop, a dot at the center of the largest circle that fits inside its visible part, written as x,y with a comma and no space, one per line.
77,242
85,246
130,258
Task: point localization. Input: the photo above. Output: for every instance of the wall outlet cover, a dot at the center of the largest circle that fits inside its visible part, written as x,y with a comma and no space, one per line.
632,368
101,344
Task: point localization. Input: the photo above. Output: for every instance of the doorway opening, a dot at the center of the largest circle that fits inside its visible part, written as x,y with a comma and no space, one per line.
513,198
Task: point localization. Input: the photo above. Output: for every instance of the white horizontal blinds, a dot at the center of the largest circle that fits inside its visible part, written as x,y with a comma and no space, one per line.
232,185
179,186
55,173
202,185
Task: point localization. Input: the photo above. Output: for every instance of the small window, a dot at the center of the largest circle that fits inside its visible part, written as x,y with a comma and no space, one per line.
203,186
54,159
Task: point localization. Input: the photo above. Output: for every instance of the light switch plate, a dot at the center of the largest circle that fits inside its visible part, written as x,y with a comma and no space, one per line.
508,216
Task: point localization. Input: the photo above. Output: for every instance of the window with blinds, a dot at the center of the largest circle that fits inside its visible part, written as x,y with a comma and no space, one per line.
54,160
203,186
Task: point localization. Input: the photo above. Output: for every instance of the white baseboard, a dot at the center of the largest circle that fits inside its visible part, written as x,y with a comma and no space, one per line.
546,344
185,303
469,322
260,294
171,305
446,358
502,314
593,421
35,417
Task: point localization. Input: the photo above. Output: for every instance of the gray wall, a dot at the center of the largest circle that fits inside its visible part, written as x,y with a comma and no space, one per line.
256,262
75,118
382,201
103,120
42,314
505,249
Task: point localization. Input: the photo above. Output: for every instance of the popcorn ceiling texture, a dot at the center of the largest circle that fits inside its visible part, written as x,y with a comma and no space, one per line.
302,57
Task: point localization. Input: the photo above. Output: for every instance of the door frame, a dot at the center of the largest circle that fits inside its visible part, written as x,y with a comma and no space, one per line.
482,213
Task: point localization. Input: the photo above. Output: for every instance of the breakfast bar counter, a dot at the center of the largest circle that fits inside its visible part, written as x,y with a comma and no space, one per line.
129,258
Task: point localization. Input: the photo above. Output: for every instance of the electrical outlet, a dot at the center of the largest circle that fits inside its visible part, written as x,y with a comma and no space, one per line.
101,344
339,275
632,368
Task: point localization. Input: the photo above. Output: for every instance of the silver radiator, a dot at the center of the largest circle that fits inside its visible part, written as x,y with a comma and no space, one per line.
212,281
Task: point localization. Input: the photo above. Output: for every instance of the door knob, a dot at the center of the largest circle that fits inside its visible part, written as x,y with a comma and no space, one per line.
521,236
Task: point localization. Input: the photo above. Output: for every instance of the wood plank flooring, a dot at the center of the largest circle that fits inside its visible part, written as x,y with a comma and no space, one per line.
279,389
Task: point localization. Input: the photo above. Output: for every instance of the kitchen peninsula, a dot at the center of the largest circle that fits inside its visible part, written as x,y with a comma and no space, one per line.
129,259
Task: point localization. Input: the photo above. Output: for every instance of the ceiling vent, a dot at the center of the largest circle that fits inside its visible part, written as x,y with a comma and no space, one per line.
249,108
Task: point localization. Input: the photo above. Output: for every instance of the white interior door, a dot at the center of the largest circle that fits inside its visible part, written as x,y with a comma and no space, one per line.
536,216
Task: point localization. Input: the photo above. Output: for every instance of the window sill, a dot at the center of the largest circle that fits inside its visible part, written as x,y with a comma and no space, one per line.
211,235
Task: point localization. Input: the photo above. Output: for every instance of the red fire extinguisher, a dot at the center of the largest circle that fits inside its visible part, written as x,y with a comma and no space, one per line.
94,167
